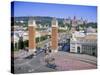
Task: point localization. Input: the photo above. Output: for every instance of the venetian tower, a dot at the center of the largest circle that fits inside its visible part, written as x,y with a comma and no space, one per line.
54,35
32,34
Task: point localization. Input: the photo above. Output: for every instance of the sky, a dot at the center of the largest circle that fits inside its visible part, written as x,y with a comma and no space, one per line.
54,10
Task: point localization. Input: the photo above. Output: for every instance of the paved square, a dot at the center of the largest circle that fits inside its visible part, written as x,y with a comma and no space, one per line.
65,61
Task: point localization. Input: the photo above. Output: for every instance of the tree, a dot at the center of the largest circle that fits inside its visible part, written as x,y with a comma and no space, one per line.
93,25
20,43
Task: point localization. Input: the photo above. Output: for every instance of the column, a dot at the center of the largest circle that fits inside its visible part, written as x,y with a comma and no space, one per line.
54,35
32,31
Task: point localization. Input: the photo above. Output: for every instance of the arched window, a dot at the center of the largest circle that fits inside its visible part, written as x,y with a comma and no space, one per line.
78,49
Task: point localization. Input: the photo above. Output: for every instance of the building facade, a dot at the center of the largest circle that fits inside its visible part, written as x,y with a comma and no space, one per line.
84,43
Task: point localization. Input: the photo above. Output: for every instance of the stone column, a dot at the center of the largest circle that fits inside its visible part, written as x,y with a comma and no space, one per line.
32,31
54,35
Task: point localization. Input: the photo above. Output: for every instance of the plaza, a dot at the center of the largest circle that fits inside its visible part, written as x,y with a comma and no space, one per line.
64,61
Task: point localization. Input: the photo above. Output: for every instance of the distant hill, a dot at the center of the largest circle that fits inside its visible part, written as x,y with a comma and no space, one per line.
39,20
42,20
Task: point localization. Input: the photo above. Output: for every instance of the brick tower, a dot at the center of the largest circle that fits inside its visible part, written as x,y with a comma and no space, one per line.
32,31
54,35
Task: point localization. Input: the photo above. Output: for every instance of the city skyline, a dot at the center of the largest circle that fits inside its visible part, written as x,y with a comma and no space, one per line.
54,10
